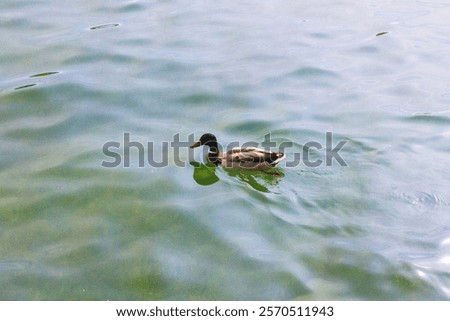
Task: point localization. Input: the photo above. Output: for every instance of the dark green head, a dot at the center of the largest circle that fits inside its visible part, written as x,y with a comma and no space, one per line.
206,139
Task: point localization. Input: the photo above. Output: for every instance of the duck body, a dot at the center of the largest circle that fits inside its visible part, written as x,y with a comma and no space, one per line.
248,158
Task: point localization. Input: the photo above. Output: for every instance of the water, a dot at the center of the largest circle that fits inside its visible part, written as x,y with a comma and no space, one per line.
78,75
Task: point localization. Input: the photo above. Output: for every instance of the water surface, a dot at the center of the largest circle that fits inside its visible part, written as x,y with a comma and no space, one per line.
78,75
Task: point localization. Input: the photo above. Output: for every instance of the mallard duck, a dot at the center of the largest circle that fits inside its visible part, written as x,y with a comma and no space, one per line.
250,158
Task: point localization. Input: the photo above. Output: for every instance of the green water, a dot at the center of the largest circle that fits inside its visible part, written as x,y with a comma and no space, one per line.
77,75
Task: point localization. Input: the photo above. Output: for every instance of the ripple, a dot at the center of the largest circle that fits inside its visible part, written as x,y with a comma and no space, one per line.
199,98
368,49
312,72
320,35
249,126
369,276
104,26
429,118
14,266
423,201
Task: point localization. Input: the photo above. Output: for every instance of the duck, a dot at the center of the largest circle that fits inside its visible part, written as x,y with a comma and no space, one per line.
248,158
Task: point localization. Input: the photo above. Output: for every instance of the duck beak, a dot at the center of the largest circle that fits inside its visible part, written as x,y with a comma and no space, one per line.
197,144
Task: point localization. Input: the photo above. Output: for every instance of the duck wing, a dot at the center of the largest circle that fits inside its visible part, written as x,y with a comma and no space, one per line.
253,155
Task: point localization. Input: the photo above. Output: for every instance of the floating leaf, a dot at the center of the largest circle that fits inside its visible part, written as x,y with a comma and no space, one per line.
43,74
108,25
25,86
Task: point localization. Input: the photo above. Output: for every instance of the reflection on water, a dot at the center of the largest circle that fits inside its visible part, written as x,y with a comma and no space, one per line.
205,174
260,181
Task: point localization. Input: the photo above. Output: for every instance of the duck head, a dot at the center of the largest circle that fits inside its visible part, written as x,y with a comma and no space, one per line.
207,139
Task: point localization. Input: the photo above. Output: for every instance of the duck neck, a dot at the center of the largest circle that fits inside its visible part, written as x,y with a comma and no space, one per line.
213,153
